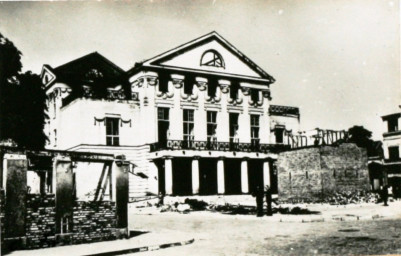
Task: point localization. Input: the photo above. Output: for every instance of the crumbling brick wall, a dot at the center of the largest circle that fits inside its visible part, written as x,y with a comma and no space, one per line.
40,223
94,221
311,174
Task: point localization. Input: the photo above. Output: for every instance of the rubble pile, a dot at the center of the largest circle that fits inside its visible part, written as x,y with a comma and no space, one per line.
234,209
351,197
40,221
94,221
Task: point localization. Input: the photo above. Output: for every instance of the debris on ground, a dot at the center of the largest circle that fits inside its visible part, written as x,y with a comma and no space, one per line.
339,198
196,205
351,197
199,205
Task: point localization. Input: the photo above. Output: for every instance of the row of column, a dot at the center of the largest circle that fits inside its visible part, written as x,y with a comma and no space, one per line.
220,176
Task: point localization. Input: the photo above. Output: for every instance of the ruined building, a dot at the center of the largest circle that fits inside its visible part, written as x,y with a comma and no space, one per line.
196,119
391,146
314,173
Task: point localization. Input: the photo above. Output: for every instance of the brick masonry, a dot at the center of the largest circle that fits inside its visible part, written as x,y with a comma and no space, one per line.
311,174
92,222
40,225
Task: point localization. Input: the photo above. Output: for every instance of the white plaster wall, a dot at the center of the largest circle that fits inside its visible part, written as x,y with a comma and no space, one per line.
290,123
176,104
391,142
77,125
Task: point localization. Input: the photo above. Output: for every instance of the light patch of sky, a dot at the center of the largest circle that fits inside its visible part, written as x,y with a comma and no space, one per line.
339,61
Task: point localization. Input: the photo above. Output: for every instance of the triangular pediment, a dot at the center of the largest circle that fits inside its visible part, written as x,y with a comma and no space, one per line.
209,53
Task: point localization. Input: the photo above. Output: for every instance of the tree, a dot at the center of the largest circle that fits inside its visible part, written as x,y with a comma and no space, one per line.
362,138
22,100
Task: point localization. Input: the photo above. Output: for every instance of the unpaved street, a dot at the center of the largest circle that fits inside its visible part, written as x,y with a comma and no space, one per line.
218,234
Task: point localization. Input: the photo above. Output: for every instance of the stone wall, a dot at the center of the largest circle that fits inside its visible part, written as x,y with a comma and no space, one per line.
311,174
344,168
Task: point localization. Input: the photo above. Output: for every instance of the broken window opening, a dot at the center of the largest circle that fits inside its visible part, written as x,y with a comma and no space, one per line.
279,134
163,82
212,87
394,152
254,95
392,124
234,90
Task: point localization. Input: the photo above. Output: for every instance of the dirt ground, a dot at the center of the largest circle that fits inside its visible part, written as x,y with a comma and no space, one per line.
219,234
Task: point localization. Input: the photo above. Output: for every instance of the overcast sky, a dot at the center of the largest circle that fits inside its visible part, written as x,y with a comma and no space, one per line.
339,61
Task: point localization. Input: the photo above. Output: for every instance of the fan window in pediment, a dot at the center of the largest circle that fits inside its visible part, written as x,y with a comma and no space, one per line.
212,58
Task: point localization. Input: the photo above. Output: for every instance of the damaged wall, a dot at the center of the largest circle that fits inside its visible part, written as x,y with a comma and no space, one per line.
34,217
311,174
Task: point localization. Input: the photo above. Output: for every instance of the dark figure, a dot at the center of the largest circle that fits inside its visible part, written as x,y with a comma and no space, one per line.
259,201
268,195
161,199
385,195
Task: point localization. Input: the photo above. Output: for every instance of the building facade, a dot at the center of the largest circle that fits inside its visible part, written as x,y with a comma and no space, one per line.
391,147
194,120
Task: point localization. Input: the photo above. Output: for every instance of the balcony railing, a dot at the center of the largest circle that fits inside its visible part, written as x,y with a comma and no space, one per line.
218,146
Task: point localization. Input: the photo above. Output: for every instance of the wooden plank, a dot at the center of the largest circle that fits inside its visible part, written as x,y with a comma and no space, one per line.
99,184
105,183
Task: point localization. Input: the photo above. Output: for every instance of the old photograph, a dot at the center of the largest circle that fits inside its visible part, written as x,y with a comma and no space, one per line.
204,127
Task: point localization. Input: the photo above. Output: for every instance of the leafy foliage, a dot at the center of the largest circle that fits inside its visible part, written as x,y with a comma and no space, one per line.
22,100
362,138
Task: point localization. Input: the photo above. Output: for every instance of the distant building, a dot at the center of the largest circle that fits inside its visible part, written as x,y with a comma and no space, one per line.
391,146
195,120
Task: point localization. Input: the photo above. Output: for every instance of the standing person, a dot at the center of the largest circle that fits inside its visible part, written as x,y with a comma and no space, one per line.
268,194
258,193
161,199
385,195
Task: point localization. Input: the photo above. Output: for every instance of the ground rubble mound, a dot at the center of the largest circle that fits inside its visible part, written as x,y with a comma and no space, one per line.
338,198
198,205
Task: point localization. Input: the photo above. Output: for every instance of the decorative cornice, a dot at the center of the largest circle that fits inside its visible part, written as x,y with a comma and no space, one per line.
245,90
152,80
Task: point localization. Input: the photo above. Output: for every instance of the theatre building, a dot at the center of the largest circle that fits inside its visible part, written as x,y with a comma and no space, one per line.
194,120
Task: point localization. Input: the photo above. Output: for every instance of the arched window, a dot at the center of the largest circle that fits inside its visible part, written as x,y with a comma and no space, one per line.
212,58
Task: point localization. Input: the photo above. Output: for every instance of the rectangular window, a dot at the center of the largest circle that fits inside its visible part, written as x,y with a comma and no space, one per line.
279,134
112,131
254,95
392,124
189,85
393,153
163,81
233,119
211,126
255,129
212,87
188,128
163,125
234,90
